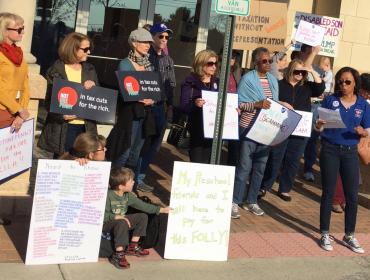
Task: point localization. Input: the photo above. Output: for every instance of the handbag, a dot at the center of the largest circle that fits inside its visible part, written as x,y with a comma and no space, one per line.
364,149
179,135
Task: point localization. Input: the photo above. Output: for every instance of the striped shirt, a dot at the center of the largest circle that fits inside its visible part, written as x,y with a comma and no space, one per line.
248,112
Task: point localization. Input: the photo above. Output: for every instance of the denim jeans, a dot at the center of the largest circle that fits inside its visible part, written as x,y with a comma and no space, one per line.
334,158
310,151
156,141
250,168
133,152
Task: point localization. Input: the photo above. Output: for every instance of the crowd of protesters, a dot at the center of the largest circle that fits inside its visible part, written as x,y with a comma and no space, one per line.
139,129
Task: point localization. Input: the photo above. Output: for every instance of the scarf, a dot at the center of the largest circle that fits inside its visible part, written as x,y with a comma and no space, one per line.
141,60
12,52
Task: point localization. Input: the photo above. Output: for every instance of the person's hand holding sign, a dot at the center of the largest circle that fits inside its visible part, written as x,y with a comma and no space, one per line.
147,101
69,117
263,104
199,102
89,84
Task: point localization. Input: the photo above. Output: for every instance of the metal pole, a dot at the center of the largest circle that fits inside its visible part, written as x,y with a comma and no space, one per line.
222,94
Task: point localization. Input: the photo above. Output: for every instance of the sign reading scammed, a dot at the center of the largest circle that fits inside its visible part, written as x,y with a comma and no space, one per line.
266,26
68,211
333,29
137,85
70,98
199,226
16,149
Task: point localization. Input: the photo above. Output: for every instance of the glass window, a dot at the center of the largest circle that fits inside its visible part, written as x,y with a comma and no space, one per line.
216,30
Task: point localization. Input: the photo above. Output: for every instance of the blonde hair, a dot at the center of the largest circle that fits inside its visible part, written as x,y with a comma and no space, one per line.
201,60
5,20
288,74
85,144
120,176
69,47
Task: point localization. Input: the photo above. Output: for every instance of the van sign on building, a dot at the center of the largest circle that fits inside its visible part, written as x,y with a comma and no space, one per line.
233,7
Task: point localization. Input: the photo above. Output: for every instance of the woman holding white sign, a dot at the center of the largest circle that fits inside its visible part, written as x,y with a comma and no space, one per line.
296,90
339,154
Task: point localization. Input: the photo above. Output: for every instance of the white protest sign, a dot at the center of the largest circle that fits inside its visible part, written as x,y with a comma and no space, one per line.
273,125
309,34
16,149
199,226
68,211
332,118
231,125
304,126
333,29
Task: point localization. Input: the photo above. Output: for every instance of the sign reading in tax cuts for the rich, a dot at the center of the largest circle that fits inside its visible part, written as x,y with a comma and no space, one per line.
274,125
266,26
16,149
333,29
137,85
67,212
70,98
199,226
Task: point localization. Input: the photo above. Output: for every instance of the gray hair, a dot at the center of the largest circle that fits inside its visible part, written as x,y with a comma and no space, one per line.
257,53
5,20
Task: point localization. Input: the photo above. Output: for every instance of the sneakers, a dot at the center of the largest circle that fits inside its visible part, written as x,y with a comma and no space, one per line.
261,193
235,211
134,249
284,196
144,187
325,242
308,176
119,260
336,208
254,208
352,243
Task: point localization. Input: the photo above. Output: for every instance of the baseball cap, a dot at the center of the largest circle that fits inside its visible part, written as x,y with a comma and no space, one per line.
140,35
160,28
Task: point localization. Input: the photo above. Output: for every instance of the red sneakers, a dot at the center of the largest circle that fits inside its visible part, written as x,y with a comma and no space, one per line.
119,260
134,249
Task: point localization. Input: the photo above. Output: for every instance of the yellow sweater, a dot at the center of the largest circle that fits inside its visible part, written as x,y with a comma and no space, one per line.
14,87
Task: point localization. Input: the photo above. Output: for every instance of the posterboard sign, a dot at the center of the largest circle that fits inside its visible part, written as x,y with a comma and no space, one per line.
70,98
231,120
309,33
274,125
266,26
137,85
304,126
16,149
199,226
235,7
68,211
333,29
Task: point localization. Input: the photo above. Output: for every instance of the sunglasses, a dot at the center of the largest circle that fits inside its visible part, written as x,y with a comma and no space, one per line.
265,61
347,82
85,50
164,37
300,72
19,30
211,63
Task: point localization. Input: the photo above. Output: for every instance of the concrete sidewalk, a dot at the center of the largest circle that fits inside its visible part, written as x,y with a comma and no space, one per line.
264,269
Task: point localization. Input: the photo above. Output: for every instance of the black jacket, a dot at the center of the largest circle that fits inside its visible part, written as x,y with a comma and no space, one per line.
53,135
299,95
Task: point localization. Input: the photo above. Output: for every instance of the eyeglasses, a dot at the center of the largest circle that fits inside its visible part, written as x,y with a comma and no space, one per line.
300,72
347,82
101,149
19,30
211,63
164,37
85,50
265,61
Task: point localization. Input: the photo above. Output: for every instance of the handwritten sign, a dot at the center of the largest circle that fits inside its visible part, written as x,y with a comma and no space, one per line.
266,26
309,34
333,29
199,226
231,126
16,149
274,125
68,211
70,98
304,126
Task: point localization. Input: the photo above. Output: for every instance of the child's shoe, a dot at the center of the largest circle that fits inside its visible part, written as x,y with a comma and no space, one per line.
119,260
134,249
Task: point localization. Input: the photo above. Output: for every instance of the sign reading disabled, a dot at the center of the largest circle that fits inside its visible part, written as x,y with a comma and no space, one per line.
304,126
67,212
199,226
274,125
70,98
309,34
231,125
138,85
333,29
16,149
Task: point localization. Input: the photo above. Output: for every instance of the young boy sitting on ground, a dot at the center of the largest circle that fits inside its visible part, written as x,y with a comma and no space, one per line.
116,222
